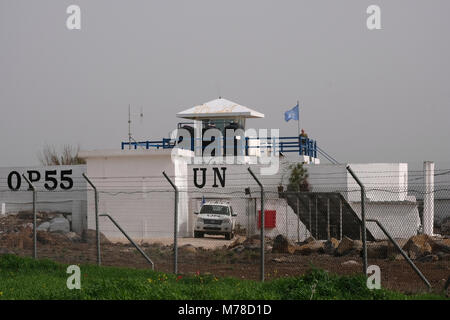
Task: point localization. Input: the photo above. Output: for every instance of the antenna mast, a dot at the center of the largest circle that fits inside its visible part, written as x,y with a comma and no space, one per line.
129,127
130,136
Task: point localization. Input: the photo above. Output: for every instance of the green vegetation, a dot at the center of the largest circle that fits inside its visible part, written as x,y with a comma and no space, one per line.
24,278
298,178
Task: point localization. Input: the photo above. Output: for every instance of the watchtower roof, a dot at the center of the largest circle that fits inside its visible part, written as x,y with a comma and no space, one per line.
219,108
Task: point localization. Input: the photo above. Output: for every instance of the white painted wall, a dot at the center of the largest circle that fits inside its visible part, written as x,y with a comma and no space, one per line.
383,181
134,192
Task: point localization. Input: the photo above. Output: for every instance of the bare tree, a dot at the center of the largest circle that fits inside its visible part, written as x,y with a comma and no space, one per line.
67,155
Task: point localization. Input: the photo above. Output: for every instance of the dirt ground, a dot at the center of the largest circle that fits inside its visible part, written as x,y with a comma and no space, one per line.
210,256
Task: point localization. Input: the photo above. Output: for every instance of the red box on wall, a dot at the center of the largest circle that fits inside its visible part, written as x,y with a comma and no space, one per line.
270,219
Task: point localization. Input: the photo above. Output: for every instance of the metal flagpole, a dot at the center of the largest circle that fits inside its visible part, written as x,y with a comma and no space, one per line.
298,127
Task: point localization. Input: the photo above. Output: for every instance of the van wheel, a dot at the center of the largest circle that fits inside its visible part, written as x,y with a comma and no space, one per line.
229,236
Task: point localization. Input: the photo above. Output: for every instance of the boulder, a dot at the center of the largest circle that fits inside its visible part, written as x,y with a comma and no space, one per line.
348,246
89,236
330,246
440,245
51,238
25,215
280,260
377,250
252,243
311,247
392,251
282,245
418,246
43,226
357,246
428,258
239,240
238,249
59,224
188,248
28,225
350,263
72,236
310,239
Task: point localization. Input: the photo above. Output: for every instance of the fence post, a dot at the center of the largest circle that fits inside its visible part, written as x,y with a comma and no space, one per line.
262,222
328,220
175,226
340,219
298,219
310,217
33,188
97,226
363,217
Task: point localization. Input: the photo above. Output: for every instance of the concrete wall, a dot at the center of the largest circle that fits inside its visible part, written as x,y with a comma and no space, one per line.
134,192
383,181
73,200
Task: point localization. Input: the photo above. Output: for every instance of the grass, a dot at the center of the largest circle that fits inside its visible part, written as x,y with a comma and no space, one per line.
25,278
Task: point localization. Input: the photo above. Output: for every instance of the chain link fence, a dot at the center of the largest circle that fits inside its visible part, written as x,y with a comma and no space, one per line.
321,228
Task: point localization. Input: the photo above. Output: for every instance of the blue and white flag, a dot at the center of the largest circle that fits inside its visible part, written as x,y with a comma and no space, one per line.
291,114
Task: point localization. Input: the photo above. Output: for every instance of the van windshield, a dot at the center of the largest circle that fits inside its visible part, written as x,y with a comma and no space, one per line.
215,209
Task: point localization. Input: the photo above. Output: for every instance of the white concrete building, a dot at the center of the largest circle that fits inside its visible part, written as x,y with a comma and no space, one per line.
134,191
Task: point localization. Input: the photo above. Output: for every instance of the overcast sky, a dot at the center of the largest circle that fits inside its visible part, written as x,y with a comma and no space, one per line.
366,96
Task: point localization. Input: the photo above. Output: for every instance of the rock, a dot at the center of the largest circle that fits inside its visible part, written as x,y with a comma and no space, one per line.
377,250
348,246
43,226
282,245
238,249
428,258
280,260
89,236
25,215
350,263
392,251
440,245
251,243
310,239
59,224
188,248
72,236
51,238
28,225
418,246
330,246
311,247
443,256
239,240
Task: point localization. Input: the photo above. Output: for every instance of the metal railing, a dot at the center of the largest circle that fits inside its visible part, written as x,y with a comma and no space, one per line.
297,144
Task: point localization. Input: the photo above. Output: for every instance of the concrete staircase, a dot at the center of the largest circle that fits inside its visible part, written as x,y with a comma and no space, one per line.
326,215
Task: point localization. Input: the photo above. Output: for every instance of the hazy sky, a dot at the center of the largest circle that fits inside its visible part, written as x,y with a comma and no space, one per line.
366,96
